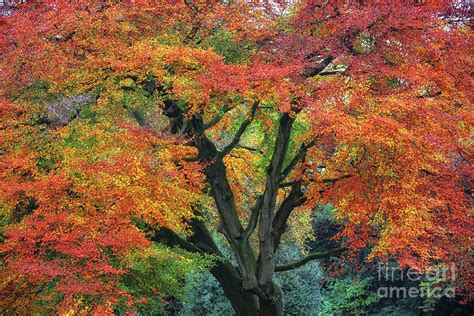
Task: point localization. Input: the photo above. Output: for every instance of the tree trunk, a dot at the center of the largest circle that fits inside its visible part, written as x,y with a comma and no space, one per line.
243,303
272,306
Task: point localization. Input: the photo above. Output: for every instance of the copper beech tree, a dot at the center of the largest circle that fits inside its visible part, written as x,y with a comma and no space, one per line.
127,124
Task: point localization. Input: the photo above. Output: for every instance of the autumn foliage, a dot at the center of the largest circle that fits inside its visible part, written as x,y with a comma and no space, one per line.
118,116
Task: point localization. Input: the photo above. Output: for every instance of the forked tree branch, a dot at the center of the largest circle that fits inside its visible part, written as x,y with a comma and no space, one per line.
299,157
311,72
334,180
218,117
253,218
251,149
314,256
241,130
289,184
273,172
168,237
293,200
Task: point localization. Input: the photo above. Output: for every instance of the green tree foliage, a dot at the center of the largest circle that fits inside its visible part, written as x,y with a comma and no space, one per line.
348,296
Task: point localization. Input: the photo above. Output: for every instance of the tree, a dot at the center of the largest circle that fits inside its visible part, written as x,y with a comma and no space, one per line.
271,111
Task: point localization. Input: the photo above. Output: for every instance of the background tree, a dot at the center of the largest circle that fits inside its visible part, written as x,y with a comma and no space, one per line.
271,112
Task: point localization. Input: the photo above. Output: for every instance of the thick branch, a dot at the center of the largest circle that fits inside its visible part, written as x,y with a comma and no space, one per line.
189,159
217,118
253,218
266,257
200,241
332,73
330,180
314,256
289,184
299,157
280,152
334,180
216,176
251,149
241,130
167,237
215,171
316,70
293,200
202,238
175,115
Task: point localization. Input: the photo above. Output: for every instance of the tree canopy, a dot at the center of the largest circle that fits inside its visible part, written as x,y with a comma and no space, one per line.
127,126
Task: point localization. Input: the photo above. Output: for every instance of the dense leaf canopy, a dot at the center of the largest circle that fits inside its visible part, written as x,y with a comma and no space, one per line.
124,119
